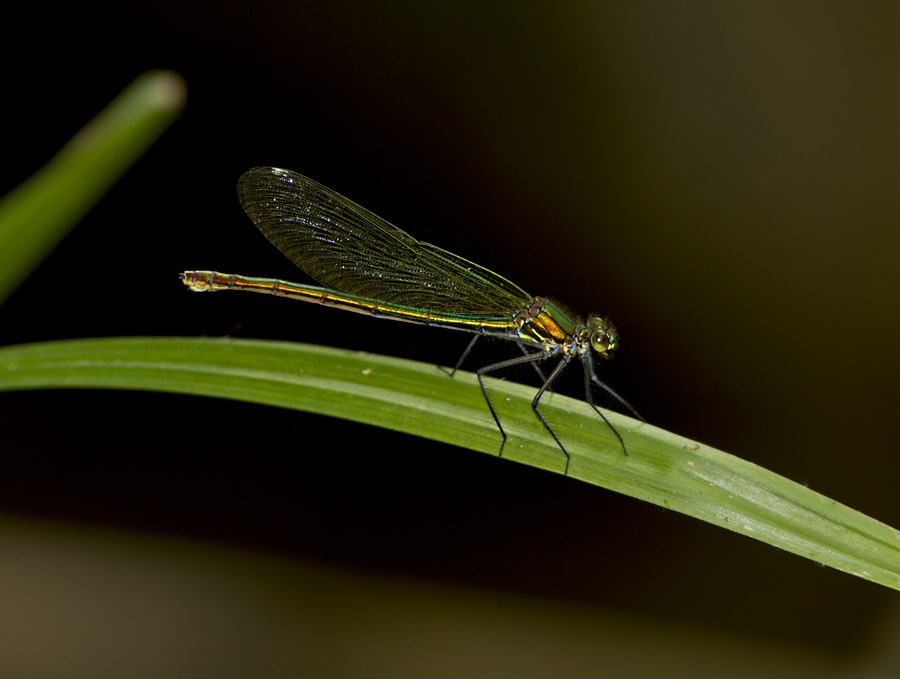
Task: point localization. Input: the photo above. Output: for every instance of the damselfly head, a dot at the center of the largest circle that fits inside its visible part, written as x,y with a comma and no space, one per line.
604,337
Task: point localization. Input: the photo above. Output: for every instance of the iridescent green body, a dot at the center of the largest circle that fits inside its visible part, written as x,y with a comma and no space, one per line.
369,266
540,325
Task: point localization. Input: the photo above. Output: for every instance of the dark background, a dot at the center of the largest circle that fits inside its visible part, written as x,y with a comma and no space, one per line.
721,180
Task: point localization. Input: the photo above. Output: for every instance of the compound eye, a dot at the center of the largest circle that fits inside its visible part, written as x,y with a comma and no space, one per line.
600,341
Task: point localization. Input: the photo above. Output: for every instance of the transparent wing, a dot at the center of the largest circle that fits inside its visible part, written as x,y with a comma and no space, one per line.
347,248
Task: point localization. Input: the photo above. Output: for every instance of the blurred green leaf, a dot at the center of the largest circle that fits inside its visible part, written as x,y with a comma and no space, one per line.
38,213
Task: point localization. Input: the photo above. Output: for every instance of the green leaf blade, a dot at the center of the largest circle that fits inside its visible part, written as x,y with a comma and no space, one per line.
419,399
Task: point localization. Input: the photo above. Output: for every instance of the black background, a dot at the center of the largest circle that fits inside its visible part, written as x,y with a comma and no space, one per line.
722,182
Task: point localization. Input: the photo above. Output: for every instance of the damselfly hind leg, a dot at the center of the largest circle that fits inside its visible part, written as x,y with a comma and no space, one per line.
462,358
527,358
468,350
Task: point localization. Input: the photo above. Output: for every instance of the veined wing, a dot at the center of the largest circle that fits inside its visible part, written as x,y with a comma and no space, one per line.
345,247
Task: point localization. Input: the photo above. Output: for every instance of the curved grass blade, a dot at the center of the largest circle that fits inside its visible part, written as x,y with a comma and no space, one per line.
416,398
